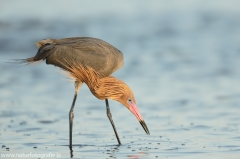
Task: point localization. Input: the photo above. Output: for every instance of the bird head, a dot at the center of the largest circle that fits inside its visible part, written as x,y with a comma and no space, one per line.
116,89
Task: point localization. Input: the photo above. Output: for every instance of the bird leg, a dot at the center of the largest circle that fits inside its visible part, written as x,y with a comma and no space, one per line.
71,114
110,118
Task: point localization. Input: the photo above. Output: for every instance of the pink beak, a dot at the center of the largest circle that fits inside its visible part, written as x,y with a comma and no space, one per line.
133,108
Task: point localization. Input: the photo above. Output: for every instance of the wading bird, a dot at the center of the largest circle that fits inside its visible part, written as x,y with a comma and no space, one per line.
90,61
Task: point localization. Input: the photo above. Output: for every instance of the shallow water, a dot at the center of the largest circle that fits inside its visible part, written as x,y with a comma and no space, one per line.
181,61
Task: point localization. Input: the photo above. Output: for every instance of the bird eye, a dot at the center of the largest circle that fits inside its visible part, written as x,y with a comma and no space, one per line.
130,100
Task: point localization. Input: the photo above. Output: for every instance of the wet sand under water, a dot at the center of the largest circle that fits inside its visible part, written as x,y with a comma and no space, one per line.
182,63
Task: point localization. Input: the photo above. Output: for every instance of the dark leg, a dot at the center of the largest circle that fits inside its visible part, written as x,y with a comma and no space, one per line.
110,118
71,115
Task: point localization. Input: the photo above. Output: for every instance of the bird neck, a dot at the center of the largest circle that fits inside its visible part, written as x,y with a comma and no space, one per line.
100,86
92,80
108,87
83,74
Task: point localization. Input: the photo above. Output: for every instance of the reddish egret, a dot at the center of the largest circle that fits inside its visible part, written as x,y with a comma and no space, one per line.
90,61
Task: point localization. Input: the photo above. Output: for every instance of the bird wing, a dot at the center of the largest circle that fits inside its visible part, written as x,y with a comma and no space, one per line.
90,52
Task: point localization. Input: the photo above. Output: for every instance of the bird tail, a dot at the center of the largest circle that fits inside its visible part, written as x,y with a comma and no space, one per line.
44,51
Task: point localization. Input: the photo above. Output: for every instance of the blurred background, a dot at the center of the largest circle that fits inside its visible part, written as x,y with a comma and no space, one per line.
182,61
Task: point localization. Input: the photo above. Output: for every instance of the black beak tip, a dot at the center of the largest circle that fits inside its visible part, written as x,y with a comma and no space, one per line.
144,127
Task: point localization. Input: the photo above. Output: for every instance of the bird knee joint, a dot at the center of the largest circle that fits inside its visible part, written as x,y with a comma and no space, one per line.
71,115
109,114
